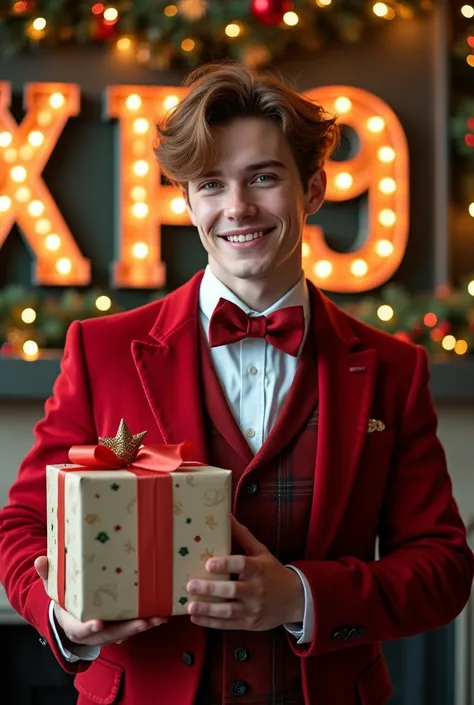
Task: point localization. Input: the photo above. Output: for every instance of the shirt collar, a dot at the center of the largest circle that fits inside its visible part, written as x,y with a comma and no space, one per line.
212,289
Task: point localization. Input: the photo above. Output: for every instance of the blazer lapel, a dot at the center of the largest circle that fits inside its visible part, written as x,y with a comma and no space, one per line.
169,369
346,387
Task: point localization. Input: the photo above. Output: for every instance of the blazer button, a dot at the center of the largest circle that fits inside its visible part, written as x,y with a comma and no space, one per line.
353,634
241,654
252,489
345,634
188,658
337,635
238,688
43,641
360,632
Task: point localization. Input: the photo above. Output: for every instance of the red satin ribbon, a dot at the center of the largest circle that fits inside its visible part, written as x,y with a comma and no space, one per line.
152,466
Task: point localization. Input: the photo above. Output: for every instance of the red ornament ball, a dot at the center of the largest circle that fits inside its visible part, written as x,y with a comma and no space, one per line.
104,31
469,139
270,12
445,327
7,349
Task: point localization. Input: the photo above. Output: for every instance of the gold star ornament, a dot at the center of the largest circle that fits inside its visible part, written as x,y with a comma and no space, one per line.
125,445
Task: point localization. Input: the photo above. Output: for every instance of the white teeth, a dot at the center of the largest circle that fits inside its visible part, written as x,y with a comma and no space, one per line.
245,238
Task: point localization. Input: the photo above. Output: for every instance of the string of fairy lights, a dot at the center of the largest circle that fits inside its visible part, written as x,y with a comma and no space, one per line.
159,33
37,28
467,12
443,322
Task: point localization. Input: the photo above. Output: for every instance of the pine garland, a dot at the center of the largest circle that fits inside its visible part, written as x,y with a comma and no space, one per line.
158,28
442,322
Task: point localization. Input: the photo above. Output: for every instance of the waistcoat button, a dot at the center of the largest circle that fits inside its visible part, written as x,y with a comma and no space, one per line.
238,688
241,654
188,658
252,489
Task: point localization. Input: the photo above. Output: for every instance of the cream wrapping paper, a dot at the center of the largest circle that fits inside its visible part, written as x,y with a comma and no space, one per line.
101,537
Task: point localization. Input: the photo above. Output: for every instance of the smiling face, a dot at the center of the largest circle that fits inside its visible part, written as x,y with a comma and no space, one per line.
250,209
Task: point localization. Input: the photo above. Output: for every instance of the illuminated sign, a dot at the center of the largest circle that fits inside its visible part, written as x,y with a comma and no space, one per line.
379,167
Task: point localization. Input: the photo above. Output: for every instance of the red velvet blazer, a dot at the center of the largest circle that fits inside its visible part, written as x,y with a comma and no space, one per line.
392,484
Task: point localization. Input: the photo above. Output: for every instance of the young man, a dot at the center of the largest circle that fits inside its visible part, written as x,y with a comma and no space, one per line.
327,425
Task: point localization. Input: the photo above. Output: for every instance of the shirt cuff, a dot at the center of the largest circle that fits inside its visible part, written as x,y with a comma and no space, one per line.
82,652
303,632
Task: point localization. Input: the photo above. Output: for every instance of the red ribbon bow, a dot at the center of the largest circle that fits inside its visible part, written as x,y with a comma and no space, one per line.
284,329
154,458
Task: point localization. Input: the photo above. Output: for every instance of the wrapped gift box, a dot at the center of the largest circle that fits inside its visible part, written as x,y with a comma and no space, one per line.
124,542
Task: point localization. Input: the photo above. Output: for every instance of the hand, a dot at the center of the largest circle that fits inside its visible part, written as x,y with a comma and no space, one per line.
266,595
94,632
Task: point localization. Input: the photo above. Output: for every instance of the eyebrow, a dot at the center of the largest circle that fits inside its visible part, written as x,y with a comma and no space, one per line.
251,167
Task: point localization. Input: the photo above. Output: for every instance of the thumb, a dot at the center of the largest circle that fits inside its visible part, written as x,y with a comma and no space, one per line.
246,539
41,566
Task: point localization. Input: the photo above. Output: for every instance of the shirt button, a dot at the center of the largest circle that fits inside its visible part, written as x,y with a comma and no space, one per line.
252,370
250,432
238,688
252,489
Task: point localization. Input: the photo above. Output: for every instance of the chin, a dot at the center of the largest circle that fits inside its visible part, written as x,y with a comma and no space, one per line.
249,270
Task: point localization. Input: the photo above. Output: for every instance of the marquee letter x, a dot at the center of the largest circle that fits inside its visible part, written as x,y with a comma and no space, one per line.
24,197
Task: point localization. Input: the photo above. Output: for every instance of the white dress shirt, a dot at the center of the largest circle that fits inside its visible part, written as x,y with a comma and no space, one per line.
256,378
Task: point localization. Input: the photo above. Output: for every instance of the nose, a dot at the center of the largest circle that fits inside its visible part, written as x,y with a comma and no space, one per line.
239,205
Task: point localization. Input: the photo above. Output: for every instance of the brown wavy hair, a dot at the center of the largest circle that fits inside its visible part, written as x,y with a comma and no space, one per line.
222,92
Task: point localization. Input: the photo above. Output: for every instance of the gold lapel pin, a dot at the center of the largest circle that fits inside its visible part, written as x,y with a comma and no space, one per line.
375,425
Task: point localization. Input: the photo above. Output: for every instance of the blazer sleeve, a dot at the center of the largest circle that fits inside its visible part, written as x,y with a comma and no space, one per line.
423,577
68,420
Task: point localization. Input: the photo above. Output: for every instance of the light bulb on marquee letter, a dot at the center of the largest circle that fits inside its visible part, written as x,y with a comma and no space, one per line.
32,142
145,204
380,169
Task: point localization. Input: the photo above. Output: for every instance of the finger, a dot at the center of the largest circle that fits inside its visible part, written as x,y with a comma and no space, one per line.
247,566
226,589
246,539
218,610
153,622
41,567
75,630
125,630
118,632
213,623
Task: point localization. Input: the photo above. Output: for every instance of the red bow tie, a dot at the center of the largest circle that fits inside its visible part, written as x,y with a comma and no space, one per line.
284,329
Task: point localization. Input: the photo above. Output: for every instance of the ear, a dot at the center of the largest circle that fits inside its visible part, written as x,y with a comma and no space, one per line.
314,196
185,194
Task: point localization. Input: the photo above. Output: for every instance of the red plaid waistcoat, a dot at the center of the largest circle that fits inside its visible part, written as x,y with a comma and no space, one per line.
273,493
